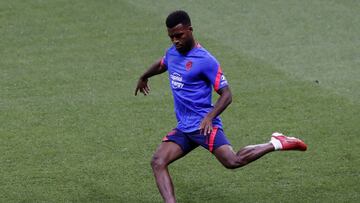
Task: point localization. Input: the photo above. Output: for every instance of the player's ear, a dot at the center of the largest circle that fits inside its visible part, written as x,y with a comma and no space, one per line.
190,28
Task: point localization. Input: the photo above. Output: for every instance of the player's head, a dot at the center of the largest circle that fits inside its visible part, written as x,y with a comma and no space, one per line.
179,28
177,17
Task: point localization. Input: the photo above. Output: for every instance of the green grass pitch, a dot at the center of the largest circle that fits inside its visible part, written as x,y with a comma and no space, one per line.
72,131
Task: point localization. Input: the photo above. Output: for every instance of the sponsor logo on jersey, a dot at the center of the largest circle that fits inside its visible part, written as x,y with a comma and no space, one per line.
176,81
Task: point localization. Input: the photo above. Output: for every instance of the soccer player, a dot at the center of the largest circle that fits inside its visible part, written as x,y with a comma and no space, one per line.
193,71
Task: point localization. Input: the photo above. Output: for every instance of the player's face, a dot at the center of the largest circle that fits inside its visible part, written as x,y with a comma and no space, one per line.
181,37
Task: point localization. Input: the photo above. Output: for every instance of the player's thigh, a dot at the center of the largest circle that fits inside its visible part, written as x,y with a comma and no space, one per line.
167,152
225,154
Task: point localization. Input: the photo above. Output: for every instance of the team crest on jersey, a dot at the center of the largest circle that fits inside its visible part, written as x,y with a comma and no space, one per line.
188,65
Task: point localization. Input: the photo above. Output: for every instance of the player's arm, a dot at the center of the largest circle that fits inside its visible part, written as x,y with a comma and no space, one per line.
157,68
221,104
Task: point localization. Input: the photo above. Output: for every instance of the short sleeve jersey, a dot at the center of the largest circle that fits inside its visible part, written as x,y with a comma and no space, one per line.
192,77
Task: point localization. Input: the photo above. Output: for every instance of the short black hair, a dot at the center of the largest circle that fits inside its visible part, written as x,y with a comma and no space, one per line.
177,17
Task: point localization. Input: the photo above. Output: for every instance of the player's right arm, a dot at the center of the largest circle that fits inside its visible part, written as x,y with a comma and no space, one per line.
157,68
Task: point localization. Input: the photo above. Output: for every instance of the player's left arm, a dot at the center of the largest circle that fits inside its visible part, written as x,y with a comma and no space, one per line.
221,104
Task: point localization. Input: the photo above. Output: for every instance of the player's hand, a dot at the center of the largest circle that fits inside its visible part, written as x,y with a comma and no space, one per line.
206,126
142,86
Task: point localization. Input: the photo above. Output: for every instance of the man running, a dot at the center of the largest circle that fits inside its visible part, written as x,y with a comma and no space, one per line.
193,71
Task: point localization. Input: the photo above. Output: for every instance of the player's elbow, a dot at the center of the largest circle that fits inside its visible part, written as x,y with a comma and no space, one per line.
229,99
226,93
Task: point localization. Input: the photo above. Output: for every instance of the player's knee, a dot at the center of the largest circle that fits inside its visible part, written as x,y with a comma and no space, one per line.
234,163
158,162
230,165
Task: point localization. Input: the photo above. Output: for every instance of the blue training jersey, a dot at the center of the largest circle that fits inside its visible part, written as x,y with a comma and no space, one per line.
192,77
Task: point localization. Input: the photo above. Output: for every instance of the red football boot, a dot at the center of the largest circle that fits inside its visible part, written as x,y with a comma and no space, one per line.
282,142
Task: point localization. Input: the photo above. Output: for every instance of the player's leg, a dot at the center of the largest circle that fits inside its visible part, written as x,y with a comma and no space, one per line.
217,143
166,153
246,155
226,155
174,146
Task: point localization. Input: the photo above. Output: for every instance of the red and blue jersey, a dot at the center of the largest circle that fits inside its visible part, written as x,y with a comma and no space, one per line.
192,77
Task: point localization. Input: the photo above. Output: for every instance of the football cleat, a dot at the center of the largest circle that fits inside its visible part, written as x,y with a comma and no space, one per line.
288,143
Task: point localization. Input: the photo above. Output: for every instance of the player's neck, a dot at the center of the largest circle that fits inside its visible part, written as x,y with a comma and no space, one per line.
191,46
